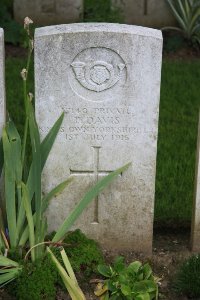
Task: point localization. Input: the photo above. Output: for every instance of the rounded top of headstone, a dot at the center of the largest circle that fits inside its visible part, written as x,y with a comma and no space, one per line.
98,27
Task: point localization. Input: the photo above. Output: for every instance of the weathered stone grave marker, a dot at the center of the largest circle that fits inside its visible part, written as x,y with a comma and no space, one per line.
106,78
195,233
48,12
145,7
2,81
152,13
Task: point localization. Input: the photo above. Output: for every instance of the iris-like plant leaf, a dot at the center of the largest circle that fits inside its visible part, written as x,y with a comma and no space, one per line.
89,196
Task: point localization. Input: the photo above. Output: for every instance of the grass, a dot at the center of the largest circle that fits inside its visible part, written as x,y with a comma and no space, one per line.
180,101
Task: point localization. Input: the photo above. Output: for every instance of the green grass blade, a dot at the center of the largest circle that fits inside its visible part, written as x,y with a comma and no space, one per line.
90,195
28,210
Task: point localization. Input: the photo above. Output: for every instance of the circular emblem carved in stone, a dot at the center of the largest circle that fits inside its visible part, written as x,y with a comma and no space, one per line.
98,69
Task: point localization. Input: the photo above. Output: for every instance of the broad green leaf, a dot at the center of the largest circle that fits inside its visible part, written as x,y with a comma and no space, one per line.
126,290
104,270
144,296
150,285
90,195
119,264
134,266
147,271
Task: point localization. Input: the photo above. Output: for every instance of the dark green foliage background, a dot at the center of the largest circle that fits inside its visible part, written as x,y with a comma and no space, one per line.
14,32
188,277
101,11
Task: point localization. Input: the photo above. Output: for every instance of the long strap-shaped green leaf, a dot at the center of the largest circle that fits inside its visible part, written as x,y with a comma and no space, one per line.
7,262
1,156
10,189
70,282
36,155
7,277
46,147
45,202
16,164
90,195
29,215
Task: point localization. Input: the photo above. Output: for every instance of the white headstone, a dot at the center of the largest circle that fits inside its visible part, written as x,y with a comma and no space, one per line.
2,81
106,78
48,12
195,234
150,13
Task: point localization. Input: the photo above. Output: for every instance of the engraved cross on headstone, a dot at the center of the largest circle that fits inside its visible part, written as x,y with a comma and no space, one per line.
96,173
145,7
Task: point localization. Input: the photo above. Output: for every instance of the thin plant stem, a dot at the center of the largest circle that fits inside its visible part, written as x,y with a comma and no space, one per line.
26,104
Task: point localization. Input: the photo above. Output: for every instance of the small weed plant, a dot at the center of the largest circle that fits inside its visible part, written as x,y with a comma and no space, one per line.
188,277
133,282
187,14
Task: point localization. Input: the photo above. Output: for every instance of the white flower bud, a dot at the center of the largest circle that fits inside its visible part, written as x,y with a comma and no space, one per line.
30,97
27,22
24,74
